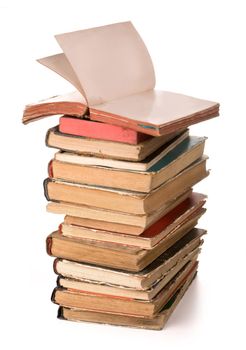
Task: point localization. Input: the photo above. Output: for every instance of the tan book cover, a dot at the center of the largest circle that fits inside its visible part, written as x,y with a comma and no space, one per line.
113,255
119,305
168,166
112,220
150,237
141,280
126,201
106,149
125,292
140,165
155,323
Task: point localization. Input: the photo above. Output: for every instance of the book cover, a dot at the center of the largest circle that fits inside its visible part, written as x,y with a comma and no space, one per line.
126,201
141,280
173,162
101,131
155,323
118,305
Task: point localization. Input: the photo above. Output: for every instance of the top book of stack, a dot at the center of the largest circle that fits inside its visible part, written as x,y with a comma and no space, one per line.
114,77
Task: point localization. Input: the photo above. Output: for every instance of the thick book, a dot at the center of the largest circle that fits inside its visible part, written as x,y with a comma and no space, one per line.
125,200
142,165
142,280
118,86
125,292
119,305
105,149
101,131
112,220
179,158
113,255
152,235
154,323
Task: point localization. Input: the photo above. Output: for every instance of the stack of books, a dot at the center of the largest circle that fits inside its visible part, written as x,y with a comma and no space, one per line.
123,177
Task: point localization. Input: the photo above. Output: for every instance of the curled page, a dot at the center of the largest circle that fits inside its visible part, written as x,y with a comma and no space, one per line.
110,62
114,76
60,64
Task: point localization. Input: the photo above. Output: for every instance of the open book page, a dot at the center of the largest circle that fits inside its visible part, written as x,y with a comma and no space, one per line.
114,75
155,107
106,62
60,65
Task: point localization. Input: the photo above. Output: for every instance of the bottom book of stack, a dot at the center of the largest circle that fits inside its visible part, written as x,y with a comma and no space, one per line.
143,299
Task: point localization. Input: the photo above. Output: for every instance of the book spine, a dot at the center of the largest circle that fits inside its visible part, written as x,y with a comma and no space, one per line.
45,184
102,131
58,281
47,137
49,245
54,266
53,295
50,168
60,313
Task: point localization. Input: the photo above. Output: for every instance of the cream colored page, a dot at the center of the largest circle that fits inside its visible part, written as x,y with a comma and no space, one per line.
155,107
60,65
110,62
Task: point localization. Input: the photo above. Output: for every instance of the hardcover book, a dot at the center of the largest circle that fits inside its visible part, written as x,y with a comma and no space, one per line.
124,292
101,131
130,100
112,220
143,280
151,236
141,165
122,305
114,255
106,149
155,323
177,159
125,200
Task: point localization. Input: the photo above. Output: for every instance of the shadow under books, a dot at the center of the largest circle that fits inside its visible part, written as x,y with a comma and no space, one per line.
188,307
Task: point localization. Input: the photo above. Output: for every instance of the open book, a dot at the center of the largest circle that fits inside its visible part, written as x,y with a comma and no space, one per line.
114,77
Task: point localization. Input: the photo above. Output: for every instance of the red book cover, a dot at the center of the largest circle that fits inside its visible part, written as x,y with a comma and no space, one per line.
188,205
102,131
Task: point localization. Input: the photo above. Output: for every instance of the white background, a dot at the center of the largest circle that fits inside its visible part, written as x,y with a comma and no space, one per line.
198,48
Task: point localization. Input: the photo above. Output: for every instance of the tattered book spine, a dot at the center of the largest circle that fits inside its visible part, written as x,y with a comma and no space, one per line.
45,185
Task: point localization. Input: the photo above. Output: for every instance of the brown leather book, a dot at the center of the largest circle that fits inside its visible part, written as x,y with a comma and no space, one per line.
118,86
108,149
125,292
113,255
122,305
126,201
155,323
151,236
141,280
112,220
105,161
172,163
